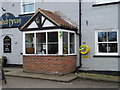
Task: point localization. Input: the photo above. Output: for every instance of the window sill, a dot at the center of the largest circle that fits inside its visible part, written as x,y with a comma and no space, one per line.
102,4
29,13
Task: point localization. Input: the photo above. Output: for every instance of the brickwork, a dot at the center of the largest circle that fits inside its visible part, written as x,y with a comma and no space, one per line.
49,64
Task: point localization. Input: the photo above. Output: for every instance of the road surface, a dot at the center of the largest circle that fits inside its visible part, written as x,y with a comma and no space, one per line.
19,82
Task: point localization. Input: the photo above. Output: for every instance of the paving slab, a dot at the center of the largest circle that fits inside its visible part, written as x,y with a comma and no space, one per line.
99,77
18,72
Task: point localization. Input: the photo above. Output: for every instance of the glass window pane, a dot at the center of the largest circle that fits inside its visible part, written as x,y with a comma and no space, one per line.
52,37
112,36
29,43
102,48
52,48
72,48
102,36
28,8
52,42
41,43
65,43
27,1
72,43
71,37
112,47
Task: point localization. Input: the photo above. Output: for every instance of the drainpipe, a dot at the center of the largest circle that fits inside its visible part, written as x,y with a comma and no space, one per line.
80,60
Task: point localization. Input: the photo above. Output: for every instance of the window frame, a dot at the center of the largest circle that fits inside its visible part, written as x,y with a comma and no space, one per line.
42,43
60,42
96,42
22,8
69,44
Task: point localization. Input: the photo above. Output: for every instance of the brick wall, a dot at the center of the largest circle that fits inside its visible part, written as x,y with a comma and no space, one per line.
49,64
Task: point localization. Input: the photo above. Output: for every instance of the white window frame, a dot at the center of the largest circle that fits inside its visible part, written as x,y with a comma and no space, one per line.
106,1
96,42
60,42
23,9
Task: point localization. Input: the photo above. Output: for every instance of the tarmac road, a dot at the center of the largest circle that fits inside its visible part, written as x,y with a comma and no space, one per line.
19,82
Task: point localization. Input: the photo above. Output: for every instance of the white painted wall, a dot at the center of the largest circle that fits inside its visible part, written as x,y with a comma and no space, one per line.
16,39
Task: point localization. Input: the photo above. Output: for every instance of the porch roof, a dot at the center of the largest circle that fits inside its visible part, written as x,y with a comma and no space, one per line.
54,18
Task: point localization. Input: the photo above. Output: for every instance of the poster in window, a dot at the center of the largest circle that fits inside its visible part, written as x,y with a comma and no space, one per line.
7,44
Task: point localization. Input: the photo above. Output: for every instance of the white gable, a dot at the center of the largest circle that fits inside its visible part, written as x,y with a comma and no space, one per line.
33,25
47,23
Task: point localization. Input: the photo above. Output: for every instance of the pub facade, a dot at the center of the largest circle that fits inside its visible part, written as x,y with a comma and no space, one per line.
48,40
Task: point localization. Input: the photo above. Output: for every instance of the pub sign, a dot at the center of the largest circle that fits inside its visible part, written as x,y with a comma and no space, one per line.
8,20
7,44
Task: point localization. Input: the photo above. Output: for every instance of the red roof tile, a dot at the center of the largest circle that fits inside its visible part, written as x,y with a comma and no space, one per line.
56,19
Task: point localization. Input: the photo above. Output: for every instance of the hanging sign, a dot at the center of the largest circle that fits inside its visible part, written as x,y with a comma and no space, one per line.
84,49
7,44
8,20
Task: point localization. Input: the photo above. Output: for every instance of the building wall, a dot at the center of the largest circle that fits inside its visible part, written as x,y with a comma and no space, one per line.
93,18
15,56
65,9
12,7
119,33
0,43
98,18
50,64
0,32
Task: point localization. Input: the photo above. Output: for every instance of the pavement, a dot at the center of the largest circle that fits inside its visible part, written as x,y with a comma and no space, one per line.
18,72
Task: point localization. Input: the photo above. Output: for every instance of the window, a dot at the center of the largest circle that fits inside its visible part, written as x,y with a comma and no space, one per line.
65,42
46,43
107,42
28,6
106,1
52,42
29,43
68,43
41,43
72,43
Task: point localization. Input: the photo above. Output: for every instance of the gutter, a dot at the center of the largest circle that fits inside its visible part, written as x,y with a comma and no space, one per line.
79,33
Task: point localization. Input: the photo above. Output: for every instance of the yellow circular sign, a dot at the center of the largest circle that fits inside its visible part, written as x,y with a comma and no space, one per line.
84,49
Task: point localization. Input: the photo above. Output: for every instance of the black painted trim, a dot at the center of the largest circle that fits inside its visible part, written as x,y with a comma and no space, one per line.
102,4
72,29
13,65
43,28
106,56
25,27
48,28
113,73
7,27
43,22
26,14
49,19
